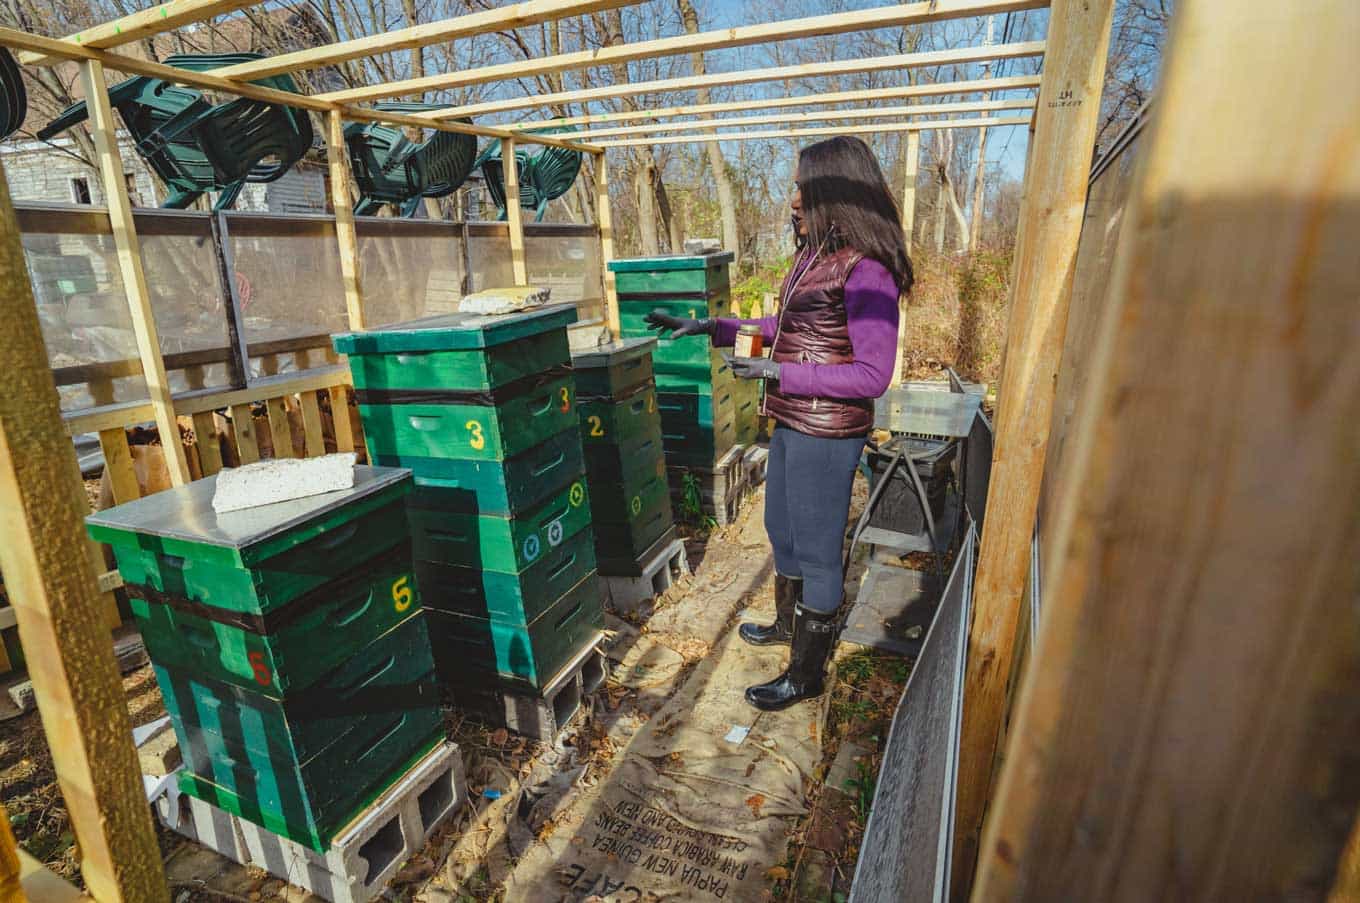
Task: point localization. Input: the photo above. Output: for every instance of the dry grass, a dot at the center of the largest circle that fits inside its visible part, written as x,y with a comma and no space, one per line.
956,316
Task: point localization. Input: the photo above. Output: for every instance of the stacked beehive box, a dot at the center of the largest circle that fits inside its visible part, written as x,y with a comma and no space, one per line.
706,413
621,430
289,645
482,409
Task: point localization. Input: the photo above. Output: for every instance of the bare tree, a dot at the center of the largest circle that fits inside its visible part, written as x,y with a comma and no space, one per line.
716,164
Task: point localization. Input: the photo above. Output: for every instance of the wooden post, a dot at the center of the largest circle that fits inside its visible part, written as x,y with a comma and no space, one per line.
104,131
1051,217
911,165
342,201
605,220
52,587
1188,726
514,216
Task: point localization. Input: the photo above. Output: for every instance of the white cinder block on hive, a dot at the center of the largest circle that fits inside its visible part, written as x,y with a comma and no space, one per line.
281,480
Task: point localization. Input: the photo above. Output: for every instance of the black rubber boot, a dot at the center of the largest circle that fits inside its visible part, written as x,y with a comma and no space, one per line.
788,592
814,635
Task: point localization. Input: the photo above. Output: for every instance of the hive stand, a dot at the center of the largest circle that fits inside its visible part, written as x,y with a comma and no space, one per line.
362,858
540,714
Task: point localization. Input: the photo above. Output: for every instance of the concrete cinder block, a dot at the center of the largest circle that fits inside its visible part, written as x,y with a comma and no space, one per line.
659,573
362,858
281,480
368,852
543,714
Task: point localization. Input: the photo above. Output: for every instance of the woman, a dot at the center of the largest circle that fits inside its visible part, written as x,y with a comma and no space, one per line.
834,344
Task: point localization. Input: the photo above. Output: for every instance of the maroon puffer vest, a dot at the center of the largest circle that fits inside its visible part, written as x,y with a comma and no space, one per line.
813,329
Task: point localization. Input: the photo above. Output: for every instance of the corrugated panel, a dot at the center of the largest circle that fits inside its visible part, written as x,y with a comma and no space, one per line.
907,842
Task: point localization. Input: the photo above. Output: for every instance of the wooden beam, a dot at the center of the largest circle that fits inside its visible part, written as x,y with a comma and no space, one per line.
907,14
53,591
337,157
21,40
925,109
501,19
514,216
604,217
972,122
1188,726
911,164
894,92
960,57
140,25
103,130
1051,216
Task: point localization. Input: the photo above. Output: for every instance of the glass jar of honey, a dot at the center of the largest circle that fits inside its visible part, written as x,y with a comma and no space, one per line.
749,343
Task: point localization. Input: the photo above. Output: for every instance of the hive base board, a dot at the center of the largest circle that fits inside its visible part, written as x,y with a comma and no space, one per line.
541,714
754,464
657,570
363,857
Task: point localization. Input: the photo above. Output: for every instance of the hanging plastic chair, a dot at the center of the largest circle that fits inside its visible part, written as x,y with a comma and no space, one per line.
13,98
544,175
389,168
195,146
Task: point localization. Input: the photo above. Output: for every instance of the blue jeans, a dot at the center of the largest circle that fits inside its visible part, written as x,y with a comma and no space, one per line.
807,505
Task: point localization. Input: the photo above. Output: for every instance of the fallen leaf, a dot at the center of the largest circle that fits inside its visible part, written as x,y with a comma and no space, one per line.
754,802
499,736
777,873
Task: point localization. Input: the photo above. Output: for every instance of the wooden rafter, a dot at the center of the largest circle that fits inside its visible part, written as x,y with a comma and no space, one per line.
959,57
924,109
141,24
812,26
22,40
894,92
975,122
518,15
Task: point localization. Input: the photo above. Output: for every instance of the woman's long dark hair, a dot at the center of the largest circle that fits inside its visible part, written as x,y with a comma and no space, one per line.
846,202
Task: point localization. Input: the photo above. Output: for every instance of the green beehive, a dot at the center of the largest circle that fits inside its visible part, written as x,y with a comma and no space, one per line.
690,286
469,649
697,429
496,543
611,370
625,529
513,598
495,487
626,464
304,765
172,546
292,646
613,421
468,426
672,274
459,351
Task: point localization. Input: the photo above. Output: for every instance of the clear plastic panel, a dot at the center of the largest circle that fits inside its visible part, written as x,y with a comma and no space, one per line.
85,321
292,294
191,315
570,266
409,276
490,256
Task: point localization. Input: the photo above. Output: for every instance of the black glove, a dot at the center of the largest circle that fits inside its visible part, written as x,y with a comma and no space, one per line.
663,322
754,368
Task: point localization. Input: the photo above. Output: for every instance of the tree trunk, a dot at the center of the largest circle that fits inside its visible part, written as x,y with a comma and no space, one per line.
646,203
726,199
979,178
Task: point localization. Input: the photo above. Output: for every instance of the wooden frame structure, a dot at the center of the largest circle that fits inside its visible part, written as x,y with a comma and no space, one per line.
109,818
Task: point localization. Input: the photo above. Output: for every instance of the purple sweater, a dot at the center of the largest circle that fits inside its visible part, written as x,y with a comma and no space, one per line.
871,315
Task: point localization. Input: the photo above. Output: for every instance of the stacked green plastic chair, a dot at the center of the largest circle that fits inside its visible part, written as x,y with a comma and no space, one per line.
389,168
13,99
195,146
544,176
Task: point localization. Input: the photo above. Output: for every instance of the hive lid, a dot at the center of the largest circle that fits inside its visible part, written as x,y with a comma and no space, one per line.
186,513
613,353
456,332
671,262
